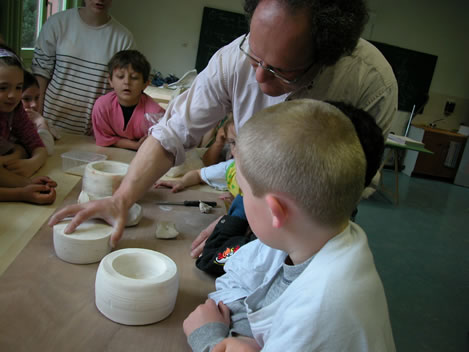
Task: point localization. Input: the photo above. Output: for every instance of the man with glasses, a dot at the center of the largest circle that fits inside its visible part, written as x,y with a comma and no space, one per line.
295,49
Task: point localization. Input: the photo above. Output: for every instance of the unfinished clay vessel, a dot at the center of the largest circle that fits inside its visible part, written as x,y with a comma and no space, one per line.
136,286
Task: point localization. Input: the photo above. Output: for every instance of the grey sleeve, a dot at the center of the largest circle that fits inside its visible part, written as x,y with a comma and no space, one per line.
207,336
239,319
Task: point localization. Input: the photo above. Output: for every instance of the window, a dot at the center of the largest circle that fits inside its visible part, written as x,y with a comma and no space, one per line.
35,13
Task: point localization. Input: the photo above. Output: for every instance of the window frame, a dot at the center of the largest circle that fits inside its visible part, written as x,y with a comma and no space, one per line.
27,53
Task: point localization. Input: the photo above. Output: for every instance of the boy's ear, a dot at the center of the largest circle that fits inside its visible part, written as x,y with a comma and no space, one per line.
146,85
109,79
278,210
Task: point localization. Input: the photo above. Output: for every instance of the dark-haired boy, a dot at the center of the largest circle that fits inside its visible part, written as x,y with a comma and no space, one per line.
119,116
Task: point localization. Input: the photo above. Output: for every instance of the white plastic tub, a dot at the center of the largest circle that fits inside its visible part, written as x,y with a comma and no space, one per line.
75,161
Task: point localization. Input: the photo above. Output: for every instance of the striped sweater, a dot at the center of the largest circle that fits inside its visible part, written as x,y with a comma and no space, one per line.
73,56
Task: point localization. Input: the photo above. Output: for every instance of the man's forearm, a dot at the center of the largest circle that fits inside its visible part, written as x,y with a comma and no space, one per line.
150,163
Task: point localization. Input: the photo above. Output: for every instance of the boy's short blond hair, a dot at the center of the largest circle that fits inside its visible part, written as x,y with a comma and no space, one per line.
308,150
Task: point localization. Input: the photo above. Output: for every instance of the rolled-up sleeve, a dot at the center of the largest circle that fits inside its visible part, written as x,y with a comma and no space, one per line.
196,111
45,50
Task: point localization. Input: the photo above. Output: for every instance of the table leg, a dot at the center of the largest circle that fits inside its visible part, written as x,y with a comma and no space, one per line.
396,173
393,195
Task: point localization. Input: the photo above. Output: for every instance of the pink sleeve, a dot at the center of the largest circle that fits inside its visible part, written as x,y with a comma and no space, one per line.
102,122
154,107
25,131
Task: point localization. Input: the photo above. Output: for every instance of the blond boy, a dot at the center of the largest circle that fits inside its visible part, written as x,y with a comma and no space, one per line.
309,282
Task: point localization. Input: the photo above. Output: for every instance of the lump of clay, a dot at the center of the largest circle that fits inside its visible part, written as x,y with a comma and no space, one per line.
134,216
204,208
165,229
83,198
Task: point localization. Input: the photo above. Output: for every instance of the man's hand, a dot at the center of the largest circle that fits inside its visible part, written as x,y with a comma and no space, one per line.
206,313
237,344
199,243
110,210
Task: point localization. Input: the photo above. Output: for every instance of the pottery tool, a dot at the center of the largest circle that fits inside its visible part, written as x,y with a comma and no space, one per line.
188,203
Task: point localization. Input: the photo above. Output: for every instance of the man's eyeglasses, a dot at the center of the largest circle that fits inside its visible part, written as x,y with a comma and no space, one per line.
283,75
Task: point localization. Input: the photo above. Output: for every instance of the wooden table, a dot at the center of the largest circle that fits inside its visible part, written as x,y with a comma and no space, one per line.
48,305
20,221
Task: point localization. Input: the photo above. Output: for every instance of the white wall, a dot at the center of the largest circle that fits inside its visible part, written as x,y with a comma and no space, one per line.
434,27
167,32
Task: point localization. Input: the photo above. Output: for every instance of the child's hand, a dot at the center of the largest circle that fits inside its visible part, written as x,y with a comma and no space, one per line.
206,313
38,194
141,140
198,244
220,137
175,186
22,167
34,116
237,344
44,180
226,197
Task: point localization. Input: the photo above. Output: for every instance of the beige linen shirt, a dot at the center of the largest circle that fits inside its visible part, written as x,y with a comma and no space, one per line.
363,79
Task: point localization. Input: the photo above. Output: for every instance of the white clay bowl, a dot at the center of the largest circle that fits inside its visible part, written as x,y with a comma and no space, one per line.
89,243
136,286
102,178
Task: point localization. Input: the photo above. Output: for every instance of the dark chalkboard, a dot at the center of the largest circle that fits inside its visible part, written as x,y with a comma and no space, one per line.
219,28
414,73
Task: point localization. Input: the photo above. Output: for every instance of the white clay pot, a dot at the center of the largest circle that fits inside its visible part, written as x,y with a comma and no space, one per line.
102,178
136,286
89,243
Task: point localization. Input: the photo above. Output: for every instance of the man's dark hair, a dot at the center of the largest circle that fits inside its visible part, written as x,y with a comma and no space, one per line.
336,25
29,80
133,58
369,134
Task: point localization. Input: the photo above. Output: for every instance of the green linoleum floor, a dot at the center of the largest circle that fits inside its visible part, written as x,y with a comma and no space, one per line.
421,250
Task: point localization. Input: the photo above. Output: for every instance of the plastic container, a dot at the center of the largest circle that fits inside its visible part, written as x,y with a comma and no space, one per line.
75,161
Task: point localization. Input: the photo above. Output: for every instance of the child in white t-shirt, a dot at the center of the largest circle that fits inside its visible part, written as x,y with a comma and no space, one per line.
219,176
